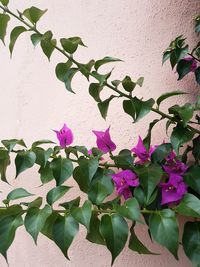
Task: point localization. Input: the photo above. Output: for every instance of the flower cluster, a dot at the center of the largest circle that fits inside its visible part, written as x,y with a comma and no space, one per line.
173,188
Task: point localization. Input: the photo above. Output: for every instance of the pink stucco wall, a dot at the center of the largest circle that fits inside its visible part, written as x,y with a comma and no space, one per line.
33,101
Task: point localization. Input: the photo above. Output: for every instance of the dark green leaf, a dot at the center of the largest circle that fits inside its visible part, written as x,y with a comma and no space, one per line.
48,226
189,206
16,32
105,60
149,177
104,105
35,220
83,214
34,14
35,203
183,68
73,203
71,44
18,193
64,230
95,90
197,75
48,44
65,74
191,241
24,160
102,78
164,230
114,229
180,136
147,139
124,159
185,112
137,108
42,155
36,38
166,56
101,186
10,144
94,234
4,19
4,163
85,69
192,178
46,174
130,209
84,173
161,152
42,142
128,84
167,95
56,193
136,245
62,169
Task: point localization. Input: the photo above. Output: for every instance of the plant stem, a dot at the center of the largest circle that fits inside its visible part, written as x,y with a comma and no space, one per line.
121,94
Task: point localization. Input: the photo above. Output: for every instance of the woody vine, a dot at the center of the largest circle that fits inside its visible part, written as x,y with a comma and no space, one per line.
149,183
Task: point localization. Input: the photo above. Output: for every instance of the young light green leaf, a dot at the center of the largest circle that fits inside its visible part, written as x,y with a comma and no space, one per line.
56,193
35,220
64,230
24,160
18,193
164,230
4,19
34,14
16,32
105,60
114,230
4,2
140,81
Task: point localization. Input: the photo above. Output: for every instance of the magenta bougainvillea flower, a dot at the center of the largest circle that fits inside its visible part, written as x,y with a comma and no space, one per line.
174,190
65,136
123,180
194,63
104,142
141,152
177,167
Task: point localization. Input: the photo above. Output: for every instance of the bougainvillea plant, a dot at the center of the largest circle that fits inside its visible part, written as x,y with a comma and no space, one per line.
147,183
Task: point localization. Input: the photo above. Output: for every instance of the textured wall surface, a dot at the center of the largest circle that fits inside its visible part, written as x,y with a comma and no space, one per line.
33,101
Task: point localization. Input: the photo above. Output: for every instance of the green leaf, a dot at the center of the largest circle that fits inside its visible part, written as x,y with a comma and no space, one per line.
64,230
4,19
105,60
56,193
84,173
42,142
62,169
167,95
85,69
35,220
140,81
18,193
189,206
47,229
71,44
95,90
191,241
161,152
46,173
197,75
24,160
180,136
48,44
196,148
94,234
128,84
8,226
137,108
166,56
34,14
101,186
149,177
42,155
4,163
104,105
102,78
83,214
10,144
4,2
136,245
164,230
130,209
183,68
114,229
124,159
35,203
192,178
185,112
36,38
73,203
147,139
16,32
